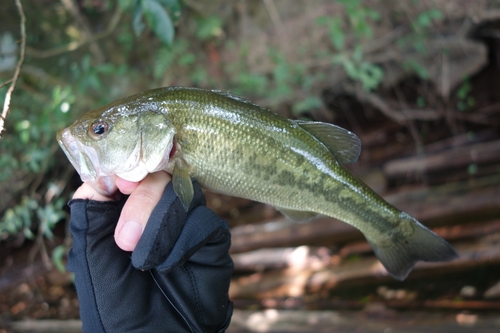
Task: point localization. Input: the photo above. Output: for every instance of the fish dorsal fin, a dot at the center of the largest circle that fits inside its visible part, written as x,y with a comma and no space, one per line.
235,97
343,144
297,215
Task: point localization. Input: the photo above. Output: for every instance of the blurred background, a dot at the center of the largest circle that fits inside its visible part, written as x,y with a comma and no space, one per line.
416,80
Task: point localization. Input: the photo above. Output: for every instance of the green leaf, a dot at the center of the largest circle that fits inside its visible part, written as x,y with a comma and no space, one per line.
127,4
464,89
159,21
351,69
335,31
357,55
425,19
86,63
370,75
322,20
57,256
174,7
472,169
421,102
28,233
164,59
137,24
336,34
187,59
412,65
209,27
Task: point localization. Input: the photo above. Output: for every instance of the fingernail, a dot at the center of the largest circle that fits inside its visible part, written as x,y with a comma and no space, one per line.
130,234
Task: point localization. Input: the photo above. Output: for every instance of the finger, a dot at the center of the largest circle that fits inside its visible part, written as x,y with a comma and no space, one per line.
138,208
125,186
86,191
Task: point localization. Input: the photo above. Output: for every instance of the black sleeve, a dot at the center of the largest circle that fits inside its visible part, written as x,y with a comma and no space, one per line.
176,280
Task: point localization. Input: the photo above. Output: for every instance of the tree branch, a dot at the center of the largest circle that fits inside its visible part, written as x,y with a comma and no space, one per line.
8,95
5,83
76,45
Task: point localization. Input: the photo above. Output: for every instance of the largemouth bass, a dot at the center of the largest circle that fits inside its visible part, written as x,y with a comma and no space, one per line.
234,147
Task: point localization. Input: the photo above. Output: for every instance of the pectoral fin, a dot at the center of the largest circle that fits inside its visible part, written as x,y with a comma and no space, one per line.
182,184
297,215
343,144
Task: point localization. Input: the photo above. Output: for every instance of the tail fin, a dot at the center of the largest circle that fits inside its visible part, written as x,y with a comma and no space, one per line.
404,251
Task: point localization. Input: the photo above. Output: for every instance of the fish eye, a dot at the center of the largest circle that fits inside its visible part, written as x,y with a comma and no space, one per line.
98,128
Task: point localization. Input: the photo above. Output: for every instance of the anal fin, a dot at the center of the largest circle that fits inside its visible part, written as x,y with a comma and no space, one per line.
297,215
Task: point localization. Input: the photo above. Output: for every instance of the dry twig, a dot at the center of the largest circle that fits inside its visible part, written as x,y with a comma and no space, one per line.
8,95
5,83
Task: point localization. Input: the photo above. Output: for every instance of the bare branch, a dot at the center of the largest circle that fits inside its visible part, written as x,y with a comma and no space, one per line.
5,83
8,95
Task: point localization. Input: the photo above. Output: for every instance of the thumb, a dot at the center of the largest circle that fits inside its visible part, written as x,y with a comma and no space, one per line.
138,208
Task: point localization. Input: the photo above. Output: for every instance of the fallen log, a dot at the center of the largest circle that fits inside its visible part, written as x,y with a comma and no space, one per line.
336,304
453,203
444,161
277,258
47,326
283,233
298,282
379,319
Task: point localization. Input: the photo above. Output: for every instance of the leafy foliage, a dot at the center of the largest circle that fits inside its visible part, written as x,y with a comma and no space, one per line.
159,14
417,38
358,19
29,156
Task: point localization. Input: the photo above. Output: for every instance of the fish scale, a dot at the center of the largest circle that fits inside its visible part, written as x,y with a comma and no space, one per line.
234,147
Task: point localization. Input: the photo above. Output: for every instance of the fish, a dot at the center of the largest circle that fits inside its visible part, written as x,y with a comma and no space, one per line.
232,146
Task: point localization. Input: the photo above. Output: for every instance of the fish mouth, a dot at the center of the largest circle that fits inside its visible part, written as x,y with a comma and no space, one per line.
73,150
86,162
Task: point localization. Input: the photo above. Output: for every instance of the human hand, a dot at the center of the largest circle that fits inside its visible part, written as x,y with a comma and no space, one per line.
144,196
175,280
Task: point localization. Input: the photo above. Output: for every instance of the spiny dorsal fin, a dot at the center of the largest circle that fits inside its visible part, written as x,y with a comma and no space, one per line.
235,97
343,144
